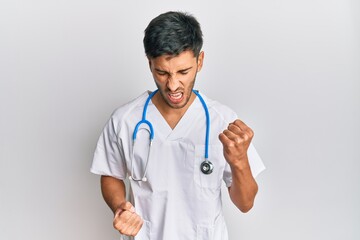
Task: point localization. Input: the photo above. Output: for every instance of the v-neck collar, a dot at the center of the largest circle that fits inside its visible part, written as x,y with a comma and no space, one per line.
184,125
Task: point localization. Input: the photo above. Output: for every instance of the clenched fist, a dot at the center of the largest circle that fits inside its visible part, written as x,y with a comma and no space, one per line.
126,221
236,140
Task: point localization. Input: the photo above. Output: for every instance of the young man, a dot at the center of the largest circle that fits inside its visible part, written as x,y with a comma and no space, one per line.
175,182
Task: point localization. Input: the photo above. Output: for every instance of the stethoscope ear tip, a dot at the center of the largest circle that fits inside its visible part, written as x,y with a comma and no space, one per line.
144,179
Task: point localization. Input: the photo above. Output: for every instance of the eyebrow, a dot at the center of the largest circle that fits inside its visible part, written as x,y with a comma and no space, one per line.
182,70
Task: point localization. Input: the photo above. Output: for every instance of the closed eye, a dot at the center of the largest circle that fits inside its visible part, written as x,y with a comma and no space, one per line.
185,71
161,73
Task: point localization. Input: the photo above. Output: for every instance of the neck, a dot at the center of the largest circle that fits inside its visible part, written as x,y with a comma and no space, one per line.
171,115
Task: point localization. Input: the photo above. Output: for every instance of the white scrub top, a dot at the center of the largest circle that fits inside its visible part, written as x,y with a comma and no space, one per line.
178,201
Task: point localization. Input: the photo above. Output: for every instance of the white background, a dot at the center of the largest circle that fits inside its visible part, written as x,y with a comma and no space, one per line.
290,69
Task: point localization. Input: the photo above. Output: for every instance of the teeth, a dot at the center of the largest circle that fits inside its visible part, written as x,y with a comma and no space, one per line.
176,95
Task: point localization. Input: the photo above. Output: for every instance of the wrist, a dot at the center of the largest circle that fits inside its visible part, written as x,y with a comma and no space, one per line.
117,205
242,164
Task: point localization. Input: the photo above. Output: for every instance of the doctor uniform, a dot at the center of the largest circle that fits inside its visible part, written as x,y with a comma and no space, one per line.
177,201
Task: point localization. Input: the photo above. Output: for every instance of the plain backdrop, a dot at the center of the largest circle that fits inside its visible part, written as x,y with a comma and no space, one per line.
290,69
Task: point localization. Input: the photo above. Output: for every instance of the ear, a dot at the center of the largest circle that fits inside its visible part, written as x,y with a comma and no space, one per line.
200,61
149,60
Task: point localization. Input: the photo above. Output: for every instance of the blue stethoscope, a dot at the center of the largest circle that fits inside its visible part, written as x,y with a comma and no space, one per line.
206,166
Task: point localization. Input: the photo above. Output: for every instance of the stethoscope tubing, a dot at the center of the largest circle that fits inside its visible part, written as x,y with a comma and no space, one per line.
207,163
207,123
143,120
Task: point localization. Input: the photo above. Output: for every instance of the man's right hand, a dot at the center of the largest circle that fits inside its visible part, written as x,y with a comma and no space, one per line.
126,221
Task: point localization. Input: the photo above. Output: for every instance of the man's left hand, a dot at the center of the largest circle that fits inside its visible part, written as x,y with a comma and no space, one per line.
236,140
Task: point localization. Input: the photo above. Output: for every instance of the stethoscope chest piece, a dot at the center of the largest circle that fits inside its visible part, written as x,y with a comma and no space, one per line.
206,167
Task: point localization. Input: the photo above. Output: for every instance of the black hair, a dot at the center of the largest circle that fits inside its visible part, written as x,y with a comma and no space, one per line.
171,33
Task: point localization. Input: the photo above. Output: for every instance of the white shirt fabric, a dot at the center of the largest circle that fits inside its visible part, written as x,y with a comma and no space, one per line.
178,201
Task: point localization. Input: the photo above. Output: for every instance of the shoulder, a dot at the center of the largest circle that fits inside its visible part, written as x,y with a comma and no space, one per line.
122,112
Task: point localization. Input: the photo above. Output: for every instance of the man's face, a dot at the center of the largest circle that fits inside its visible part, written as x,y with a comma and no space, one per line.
175,76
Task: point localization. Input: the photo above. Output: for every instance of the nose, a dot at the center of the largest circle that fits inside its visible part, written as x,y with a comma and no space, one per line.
173,83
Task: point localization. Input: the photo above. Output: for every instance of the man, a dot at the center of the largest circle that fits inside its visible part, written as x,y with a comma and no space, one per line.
175,182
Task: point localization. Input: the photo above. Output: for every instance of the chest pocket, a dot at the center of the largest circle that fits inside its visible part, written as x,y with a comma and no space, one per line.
213,180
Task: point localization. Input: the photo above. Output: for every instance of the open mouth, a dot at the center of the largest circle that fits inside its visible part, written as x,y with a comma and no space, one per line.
175,97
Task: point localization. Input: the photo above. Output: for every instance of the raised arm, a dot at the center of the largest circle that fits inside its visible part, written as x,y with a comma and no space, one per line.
236,140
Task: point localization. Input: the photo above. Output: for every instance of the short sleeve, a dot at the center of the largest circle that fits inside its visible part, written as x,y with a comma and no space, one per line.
256,165
109,157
